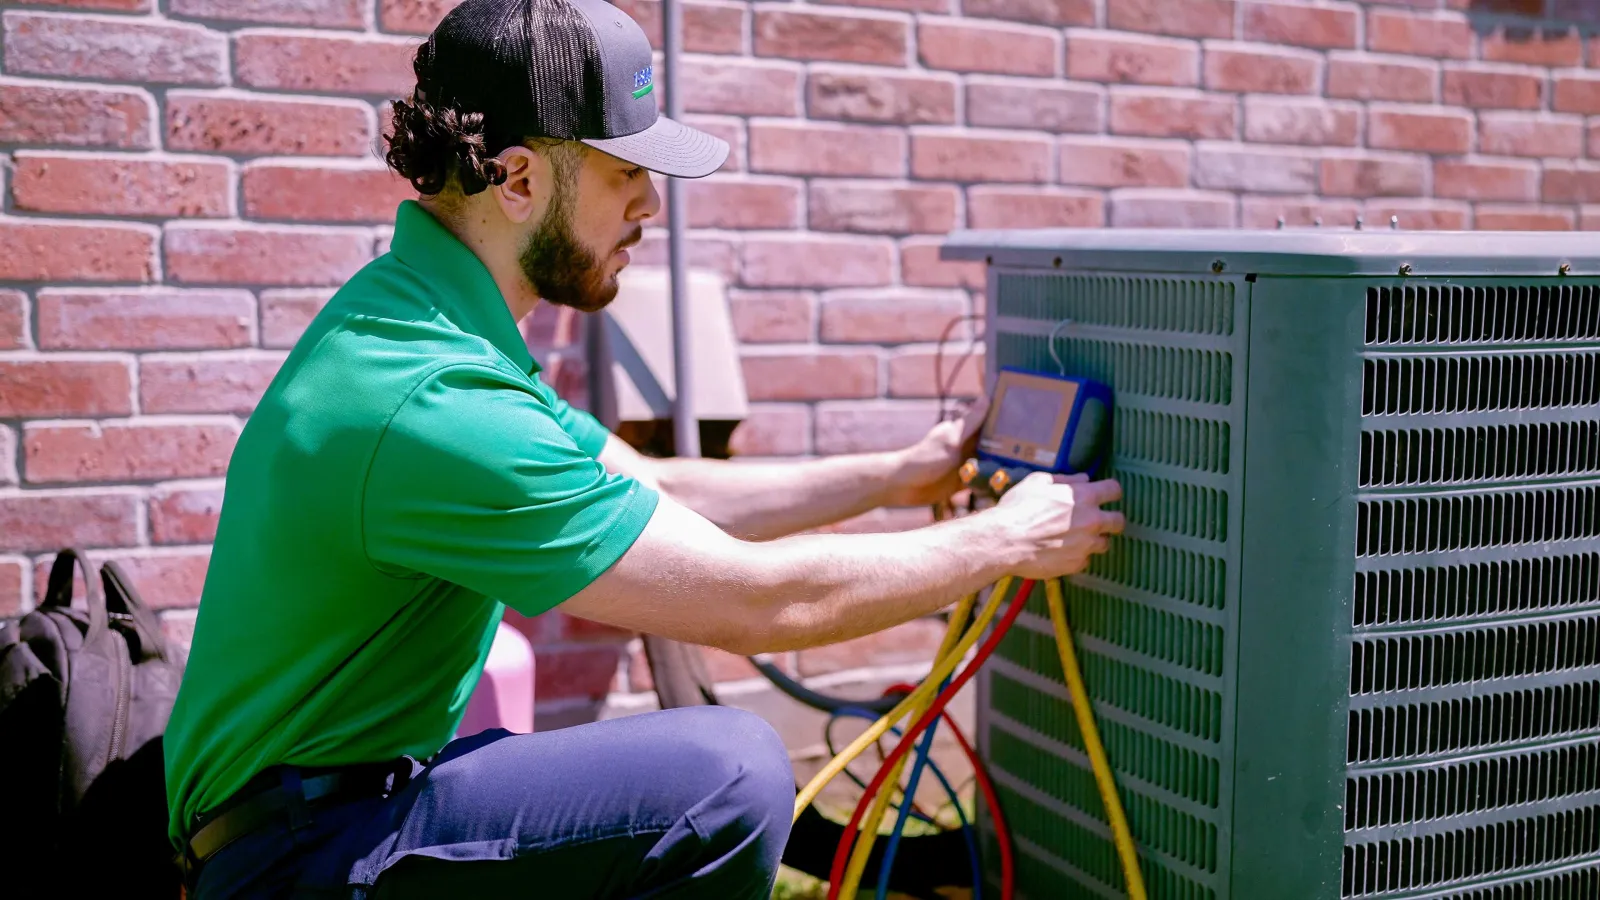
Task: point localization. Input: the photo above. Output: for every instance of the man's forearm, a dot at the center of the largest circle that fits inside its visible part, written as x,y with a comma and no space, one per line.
829,588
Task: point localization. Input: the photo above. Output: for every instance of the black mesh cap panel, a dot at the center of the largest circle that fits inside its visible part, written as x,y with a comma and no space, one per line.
532,67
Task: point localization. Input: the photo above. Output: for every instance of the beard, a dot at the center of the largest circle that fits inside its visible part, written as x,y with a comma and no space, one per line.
562,269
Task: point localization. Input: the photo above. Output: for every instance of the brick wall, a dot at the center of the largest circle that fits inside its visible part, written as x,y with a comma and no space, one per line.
185,182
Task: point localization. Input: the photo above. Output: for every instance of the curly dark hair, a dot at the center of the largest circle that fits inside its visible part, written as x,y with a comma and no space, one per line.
431,146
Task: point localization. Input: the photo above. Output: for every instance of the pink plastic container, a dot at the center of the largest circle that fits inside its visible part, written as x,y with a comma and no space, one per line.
504,696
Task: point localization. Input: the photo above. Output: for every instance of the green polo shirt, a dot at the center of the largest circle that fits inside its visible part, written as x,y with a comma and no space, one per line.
405,474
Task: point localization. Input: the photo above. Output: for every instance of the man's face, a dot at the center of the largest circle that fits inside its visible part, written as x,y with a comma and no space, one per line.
573,255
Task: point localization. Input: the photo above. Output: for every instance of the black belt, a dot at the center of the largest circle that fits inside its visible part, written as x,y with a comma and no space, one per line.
283,794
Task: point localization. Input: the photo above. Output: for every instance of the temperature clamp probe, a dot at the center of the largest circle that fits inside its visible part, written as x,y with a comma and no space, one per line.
1039,423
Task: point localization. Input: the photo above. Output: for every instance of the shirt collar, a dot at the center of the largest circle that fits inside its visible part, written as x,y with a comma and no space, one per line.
465,289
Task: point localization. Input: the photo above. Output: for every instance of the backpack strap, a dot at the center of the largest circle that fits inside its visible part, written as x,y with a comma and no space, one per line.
123,600
58,591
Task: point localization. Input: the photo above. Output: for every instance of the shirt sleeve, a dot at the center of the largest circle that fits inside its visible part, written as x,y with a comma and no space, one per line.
586,430
477,482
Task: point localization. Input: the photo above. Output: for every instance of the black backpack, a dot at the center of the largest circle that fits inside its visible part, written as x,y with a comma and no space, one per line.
85,694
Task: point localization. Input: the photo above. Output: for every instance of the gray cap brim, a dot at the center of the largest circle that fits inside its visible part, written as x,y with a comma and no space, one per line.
668,147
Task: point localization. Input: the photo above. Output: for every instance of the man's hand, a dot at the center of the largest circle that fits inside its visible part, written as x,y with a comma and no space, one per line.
927,471
1059,522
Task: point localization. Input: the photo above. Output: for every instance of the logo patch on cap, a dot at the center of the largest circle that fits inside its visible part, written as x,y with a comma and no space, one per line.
643,81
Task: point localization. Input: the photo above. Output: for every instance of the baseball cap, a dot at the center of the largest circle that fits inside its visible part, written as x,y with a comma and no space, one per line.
577,70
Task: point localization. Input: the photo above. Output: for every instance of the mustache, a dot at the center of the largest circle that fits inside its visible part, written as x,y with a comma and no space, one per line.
633,237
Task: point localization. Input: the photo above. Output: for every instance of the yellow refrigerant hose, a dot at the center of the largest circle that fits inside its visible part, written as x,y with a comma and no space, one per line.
951,652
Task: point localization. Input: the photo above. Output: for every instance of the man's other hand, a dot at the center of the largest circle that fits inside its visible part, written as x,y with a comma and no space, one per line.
1058,522
927,472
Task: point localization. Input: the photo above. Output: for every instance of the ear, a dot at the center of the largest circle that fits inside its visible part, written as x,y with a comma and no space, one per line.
524,193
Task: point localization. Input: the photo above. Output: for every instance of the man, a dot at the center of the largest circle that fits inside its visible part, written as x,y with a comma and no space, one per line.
407,472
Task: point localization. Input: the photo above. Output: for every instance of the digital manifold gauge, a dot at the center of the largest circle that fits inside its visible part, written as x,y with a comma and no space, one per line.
1040,423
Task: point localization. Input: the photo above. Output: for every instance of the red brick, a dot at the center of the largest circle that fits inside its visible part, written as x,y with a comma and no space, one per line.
166,577
8,457
13,320
1264,212
1419,33
112,5
761,317
256,254
707,27
260,125
1529,134
319,13
1256,68
912,373
1538,46
1521,218
741,87
1567,181
894,316
570,673
1504,88
46,521
221,383
325,63
876,95
122,185
286,313
1057,13
1034,105
873,426
1240,168
861,37
881,209
1132,59
1577,92
1290,120
815,261
966,46
1006,207
322,192
59,385
972,156
813,148
150,319
750,203
114,48
587,630
1186,18
920,266
12,589
49,250
42,113
817,375
934,6
185,513
409,16
720,256
773,430
1464,180
1326,27
1158,208
1419,215
1112,162
1590,218
123,451
912,642
1423,129
1160,112
1382,78
1373,175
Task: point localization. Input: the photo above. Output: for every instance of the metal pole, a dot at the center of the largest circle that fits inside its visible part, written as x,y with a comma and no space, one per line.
685,425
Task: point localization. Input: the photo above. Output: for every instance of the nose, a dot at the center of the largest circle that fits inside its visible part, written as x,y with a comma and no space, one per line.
650,205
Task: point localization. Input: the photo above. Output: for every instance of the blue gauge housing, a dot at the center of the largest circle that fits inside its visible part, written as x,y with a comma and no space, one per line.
1047,423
